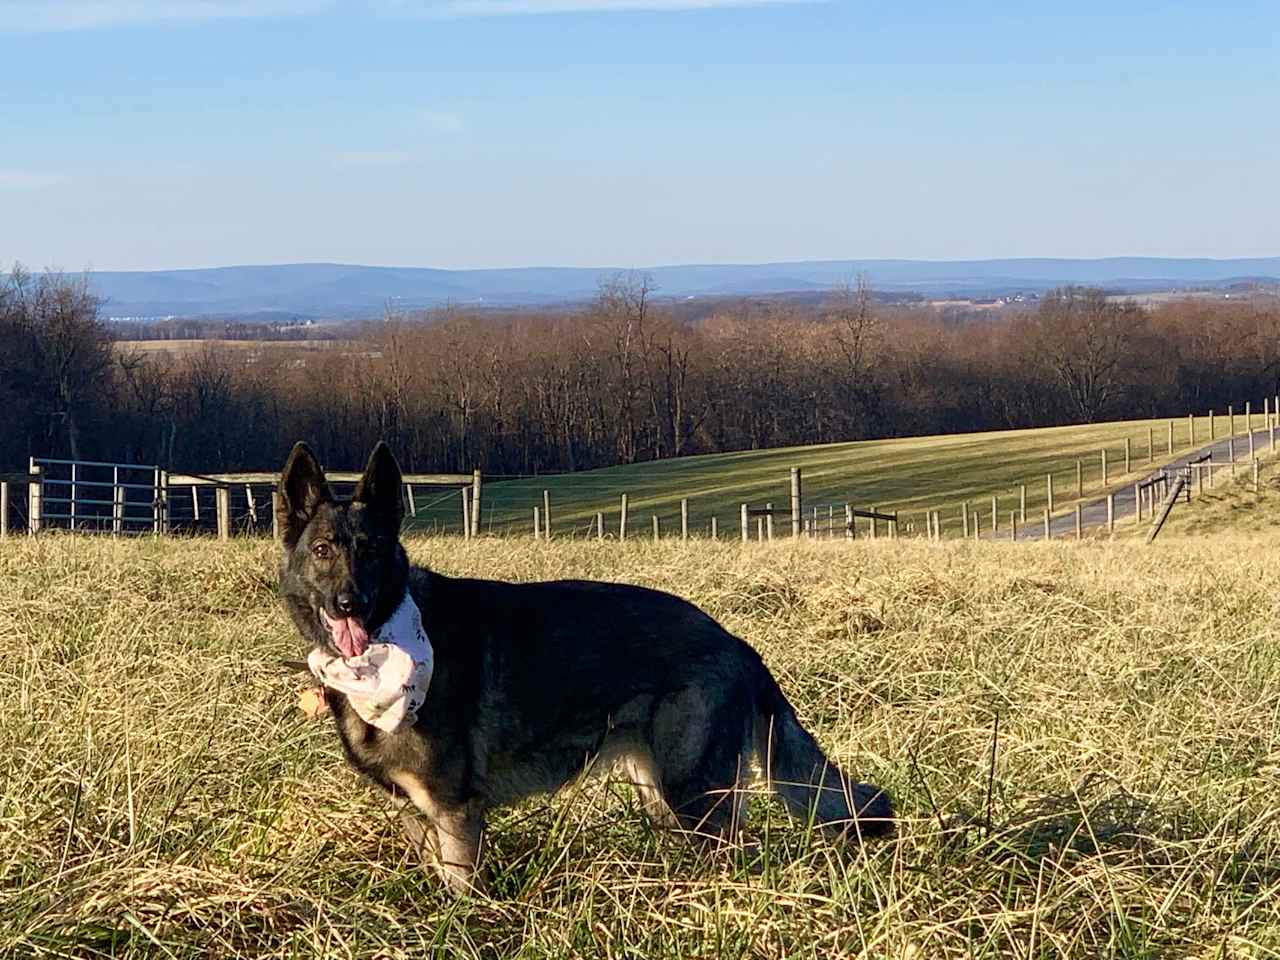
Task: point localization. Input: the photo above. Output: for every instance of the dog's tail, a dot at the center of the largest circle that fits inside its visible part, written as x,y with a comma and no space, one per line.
813,788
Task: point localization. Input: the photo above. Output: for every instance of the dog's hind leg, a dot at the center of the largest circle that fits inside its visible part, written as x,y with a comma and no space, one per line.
700,751
639,768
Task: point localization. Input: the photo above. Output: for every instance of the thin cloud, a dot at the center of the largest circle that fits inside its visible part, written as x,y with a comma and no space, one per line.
509,8
26,179
48,16
372,158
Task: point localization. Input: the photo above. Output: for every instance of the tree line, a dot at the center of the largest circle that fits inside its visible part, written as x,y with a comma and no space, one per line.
622,379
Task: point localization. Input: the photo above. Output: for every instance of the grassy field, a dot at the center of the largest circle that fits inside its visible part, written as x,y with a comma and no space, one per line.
163,797
1229,506
908,475
184,347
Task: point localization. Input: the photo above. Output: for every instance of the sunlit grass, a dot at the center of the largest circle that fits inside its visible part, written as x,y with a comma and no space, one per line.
162,795
909,475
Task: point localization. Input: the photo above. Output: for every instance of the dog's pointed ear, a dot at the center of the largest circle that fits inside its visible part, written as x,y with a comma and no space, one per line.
379,488
302,489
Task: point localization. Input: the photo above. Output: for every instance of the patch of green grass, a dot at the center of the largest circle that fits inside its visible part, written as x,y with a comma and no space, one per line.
909,475
1230,505
163,797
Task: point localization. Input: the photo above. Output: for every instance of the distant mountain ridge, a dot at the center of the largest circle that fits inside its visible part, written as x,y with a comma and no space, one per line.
332,290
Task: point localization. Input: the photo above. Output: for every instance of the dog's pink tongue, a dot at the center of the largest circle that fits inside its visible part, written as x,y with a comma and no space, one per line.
349,636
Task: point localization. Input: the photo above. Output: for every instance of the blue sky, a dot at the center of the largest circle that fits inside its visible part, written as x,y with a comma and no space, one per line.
139,134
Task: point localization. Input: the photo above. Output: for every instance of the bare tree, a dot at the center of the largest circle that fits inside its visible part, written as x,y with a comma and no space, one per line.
1085,339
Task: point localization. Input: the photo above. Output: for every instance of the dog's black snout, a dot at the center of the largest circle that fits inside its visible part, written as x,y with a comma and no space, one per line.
348,603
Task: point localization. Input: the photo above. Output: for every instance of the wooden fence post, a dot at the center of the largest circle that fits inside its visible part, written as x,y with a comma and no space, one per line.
1104,466
1022,503
746,526
222,503
599,525
1213,433
275,515
1231,454
1191,428
1231,420
1013,526
1128,456
546,514
715,534
1111,513
1137,503
1251,451
33,498
253,507
537,522
1255,476
1271,436
1079,521
155,500
768,521
165,523
849,532
797,505
466,515
977,525
622,519
964,522
4,509
1248,415
893,527
684,518
1151,446
1048,535
1049,490
995,515
655,528
1169,442
408,500
475,502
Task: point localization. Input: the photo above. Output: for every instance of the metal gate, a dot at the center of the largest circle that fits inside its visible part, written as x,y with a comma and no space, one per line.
92,496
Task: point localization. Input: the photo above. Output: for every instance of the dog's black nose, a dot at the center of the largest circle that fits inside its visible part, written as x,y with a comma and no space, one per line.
347,603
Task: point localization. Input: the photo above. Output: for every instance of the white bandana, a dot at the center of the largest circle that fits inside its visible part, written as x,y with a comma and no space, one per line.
387,683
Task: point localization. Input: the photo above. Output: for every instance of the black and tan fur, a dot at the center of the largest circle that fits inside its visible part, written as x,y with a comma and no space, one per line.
535,682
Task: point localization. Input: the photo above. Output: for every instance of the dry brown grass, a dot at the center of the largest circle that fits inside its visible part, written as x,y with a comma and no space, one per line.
163,797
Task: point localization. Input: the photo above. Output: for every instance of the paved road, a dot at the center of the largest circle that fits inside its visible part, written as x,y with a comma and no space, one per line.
1094,512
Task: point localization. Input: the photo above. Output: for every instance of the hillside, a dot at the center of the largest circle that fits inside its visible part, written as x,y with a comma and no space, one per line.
163,796
909,475
344,290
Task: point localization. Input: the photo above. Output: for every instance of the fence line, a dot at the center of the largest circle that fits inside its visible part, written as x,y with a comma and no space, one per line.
121,499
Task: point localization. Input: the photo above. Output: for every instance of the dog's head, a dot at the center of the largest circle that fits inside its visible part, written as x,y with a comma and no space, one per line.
344,571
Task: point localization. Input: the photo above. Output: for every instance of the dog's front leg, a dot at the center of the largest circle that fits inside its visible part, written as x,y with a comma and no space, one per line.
450,837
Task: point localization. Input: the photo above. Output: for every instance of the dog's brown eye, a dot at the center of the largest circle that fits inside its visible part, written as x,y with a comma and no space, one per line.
320,550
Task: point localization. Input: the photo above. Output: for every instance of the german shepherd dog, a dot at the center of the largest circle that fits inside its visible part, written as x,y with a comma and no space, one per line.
536,683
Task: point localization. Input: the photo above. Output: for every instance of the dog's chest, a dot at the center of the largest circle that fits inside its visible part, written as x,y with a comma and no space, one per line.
375,752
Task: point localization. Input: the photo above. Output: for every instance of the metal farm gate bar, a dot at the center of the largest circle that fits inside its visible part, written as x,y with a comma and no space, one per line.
129,498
